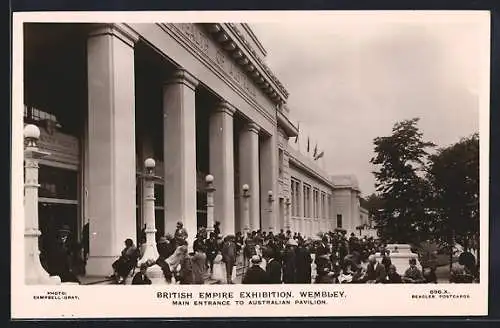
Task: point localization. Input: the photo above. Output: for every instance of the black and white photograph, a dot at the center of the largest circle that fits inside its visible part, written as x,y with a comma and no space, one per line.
315,152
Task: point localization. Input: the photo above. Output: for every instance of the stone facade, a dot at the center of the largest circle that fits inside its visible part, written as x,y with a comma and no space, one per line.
199,99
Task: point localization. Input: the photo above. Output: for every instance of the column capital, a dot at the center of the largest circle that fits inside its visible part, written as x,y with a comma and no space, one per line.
252,127
122,31
182,76
225,107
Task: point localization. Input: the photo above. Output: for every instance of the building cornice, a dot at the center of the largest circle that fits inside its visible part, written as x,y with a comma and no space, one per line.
233,41
301,164
255,39
174,31
287,126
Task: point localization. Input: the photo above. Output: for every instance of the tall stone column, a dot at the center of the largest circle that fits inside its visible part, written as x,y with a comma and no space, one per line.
249,170
269,181
111,166
222,165
179,135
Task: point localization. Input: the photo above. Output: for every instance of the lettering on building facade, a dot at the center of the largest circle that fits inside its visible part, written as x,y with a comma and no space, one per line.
207,46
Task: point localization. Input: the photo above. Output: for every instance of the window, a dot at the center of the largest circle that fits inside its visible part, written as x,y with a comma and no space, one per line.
329,210
323,205
339,221
307,201
58,183
159,196
295,197
316,203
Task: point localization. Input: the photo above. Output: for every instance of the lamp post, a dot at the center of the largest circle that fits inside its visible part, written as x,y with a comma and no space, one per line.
209,179
150,255
246,209
35,274
270,201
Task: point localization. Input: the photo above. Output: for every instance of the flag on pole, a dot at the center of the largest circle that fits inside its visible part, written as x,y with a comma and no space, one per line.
298,128
319,155
315,151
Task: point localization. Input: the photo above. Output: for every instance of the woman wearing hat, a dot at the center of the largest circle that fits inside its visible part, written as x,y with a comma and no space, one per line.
126,262
180,234
174,263
255,274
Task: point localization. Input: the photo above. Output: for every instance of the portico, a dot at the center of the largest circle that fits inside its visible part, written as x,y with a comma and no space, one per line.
195,99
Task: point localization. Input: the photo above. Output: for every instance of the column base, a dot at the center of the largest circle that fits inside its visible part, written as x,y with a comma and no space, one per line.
100,266
154,273
36,274
43,279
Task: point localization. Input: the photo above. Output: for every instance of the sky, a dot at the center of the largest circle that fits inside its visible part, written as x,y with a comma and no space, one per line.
351,77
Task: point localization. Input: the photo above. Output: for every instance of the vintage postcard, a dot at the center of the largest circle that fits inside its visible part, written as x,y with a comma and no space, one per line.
250,164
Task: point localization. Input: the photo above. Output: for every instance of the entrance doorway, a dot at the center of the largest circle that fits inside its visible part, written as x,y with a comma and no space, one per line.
58,206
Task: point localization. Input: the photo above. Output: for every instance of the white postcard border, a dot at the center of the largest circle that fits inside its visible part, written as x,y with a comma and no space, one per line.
108,301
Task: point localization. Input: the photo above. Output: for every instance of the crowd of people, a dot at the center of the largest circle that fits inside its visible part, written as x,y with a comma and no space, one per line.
264,258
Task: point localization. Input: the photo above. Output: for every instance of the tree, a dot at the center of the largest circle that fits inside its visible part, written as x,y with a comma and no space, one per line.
373,204
401,185
454,176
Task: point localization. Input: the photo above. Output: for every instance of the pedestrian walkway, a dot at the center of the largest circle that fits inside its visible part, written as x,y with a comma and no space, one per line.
95,280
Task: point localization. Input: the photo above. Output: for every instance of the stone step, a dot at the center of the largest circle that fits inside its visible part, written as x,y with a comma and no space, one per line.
101,281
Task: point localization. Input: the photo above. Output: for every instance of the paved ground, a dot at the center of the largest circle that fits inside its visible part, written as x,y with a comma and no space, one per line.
442,273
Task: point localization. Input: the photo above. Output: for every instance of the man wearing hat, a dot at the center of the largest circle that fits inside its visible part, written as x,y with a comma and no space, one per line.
140,277
229,256
61,255
180,234
255,274
303,262
273,267
289,262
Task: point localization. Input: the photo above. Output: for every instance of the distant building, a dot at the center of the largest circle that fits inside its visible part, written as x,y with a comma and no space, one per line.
319,201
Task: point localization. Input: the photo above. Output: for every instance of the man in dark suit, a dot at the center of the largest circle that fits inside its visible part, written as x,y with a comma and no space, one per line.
273,268
255,274
303,262
289,262
229,256
322,248
140,277
375,272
